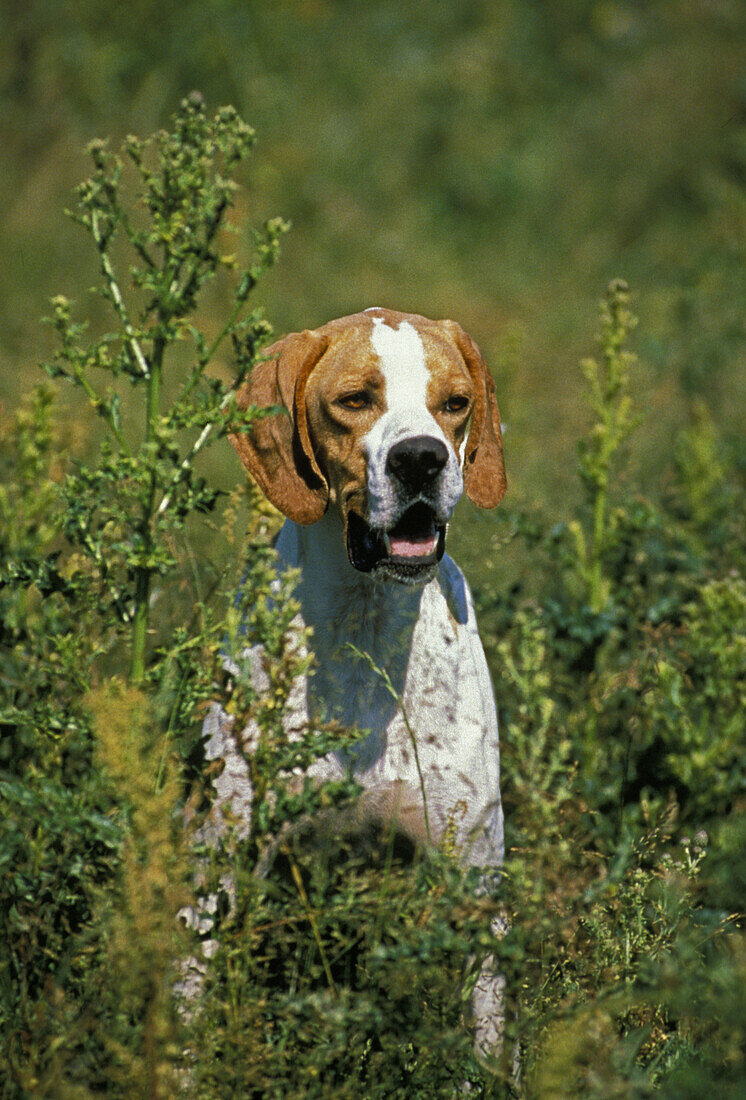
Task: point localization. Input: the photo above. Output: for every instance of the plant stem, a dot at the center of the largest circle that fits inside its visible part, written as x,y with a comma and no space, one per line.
595,576
298,880
400,703
140,625
116,297
143,573
190,456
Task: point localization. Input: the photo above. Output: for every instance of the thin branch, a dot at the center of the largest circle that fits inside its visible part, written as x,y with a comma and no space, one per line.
99,404
117,298
400,703
298,880
95,552
207,355
194,450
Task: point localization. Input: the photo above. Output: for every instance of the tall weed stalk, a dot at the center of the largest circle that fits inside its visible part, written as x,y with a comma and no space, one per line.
609,399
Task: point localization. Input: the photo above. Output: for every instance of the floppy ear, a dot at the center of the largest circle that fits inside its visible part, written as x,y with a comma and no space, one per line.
277,449
484,469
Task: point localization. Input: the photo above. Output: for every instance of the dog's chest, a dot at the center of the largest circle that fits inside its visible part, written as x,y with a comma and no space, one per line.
390,668
409,669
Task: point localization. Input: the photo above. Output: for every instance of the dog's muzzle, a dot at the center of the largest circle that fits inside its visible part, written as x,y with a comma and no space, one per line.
411,548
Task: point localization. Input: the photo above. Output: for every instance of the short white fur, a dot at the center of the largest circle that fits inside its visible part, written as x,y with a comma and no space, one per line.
402,361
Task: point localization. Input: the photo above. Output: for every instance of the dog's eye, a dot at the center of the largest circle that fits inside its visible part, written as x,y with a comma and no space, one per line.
456,404
357,400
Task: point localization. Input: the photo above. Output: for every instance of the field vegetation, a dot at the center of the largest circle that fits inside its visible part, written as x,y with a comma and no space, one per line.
500,164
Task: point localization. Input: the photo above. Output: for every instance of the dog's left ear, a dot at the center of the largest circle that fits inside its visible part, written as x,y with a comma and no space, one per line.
277,449
484,469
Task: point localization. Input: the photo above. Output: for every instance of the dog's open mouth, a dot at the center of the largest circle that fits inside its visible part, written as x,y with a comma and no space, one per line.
407,552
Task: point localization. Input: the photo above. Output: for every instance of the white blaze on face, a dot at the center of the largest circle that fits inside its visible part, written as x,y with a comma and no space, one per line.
402,359
401,356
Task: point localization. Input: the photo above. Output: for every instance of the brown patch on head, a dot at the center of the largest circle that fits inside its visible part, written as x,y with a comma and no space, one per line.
484,467
451,393
344,398
456,398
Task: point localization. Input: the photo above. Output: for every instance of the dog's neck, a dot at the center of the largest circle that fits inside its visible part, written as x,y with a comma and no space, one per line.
361,627
331,590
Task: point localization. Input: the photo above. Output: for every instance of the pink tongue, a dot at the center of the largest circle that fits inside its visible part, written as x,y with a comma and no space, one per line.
413,548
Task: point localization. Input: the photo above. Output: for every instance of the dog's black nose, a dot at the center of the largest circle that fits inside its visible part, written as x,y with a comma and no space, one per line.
417,461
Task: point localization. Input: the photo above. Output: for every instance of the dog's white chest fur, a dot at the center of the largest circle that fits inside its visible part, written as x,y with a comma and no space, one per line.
406,665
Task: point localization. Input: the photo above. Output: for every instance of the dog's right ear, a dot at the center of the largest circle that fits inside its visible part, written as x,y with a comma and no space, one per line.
276,449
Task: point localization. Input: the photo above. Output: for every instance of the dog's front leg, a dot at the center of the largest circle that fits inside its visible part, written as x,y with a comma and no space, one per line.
489,1016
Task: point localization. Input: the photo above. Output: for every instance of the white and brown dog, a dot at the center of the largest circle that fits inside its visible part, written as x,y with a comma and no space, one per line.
383,419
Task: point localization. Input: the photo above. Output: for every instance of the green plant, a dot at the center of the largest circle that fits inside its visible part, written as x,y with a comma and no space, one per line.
144,485
609,398
143,937
341,958
618,672
89,900
694,699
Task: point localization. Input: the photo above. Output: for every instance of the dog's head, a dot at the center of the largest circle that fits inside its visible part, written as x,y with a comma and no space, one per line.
385,416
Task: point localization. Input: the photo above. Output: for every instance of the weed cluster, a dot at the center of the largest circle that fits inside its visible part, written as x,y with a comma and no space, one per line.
620,677
336,960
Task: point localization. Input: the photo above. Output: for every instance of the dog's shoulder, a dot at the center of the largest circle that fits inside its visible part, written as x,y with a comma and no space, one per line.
455,591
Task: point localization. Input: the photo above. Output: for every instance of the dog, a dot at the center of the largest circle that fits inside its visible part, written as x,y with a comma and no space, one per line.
379,421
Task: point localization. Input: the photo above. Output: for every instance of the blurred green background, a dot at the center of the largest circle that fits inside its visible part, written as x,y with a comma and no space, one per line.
494,162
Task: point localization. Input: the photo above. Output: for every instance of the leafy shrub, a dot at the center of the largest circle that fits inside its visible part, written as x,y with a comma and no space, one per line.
93,882
339,959
620,679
